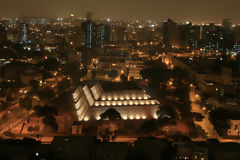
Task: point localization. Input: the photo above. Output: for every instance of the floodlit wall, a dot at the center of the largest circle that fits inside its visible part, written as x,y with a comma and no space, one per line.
124,95
127,112
88,95
80,102
131,104
97,91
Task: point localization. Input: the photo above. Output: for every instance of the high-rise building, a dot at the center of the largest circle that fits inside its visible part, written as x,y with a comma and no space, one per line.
236,32
195,36
184,34
118,34
95,34
170,33
3,34
189,35
87,28
25,32
101,34
21,32
227,24
211,36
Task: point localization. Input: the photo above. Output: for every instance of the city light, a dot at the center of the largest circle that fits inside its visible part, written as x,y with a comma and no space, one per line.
144,117
86,119
131,117
98,118
129,72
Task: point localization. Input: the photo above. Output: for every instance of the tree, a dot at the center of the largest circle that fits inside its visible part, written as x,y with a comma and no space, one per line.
205,96
75,76
26,103
131,78
123,78
182,92
112,74
83,72
94,74
200,131
45,111
48,114
45,93
127,72
149,126
34,85
50,121
111,114
51,64
156,74
221,117
179,74
107,135
46,74
63,85
166,113
227,41
74,71
197,116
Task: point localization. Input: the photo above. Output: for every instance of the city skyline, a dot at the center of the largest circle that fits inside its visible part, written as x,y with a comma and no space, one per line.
204,11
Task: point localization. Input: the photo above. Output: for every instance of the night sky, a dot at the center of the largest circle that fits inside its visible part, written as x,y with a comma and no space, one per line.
180,10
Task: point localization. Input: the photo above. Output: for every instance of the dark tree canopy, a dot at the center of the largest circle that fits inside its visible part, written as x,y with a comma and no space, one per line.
51,64
34,85
149,126
48,114
75,72
197,116
26,103
94,74
111,114
63,85
112,74
50,121
166,112
45,111
179,74
123,78
45,93
156,74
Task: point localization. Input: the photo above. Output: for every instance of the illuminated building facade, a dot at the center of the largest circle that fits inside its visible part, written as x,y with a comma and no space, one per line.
81,103
101,34
170,33
131,104
134,68
87,28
